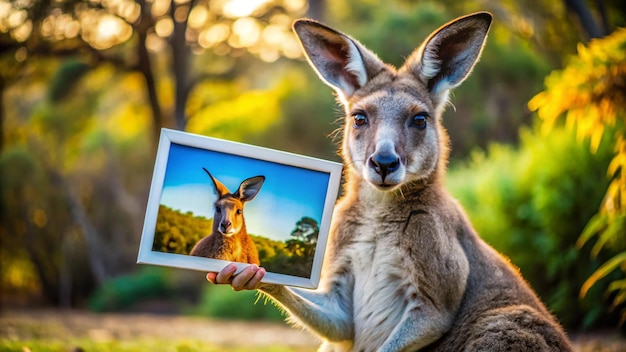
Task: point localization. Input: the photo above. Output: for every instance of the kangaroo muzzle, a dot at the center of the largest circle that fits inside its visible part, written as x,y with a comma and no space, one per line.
384,167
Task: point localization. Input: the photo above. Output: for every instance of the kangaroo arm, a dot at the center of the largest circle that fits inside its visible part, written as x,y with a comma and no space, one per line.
419,327
327,312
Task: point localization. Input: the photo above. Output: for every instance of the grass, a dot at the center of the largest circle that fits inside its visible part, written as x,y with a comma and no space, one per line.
139,345
78,331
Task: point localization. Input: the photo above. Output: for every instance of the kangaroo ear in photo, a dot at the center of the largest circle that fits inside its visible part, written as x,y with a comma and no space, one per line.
249,188
220,189
340,61
448,55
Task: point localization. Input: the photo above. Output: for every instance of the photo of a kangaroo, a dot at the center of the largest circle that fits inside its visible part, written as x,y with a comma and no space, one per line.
229,239
196,217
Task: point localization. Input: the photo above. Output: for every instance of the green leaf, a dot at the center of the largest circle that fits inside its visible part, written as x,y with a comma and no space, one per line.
595,225
614,229
603,271
619,299
617,285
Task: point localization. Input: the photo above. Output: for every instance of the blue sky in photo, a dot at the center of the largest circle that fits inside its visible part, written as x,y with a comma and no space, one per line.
288,193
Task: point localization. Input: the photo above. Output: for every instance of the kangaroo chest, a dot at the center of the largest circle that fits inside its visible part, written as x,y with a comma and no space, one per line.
229,249
384,282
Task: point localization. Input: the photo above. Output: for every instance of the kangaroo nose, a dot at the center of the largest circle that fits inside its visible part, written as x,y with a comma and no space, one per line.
226,226
384,163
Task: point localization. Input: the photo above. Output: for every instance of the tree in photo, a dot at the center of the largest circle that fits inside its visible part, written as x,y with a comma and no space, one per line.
302,246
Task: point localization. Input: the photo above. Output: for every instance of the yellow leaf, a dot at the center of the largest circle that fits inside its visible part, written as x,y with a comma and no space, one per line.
572,117
583,53
596,138
612,194
618,161
537,101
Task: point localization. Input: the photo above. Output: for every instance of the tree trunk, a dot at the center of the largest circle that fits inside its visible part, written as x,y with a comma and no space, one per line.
180,61
45,272
65,272
145,67
2,88
80,217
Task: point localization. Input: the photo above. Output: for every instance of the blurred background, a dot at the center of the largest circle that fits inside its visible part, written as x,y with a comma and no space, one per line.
538,137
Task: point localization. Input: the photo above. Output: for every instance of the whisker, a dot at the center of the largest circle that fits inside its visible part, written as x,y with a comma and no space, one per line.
336,134
401,193
353,162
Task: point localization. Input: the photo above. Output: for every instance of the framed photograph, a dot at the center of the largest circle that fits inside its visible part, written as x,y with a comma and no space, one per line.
213,202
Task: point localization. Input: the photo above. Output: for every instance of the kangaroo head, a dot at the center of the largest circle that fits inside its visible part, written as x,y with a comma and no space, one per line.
392,133
228,218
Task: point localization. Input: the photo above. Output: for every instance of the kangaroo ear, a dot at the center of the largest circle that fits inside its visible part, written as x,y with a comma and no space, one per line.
219,187
249,188
340,61
448,55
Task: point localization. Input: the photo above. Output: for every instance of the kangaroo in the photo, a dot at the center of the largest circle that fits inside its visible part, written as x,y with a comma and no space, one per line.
229,239
404,269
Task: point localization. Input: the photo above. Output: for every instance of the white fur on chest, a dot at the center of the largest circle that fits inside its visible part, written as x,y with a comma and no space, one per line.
382,289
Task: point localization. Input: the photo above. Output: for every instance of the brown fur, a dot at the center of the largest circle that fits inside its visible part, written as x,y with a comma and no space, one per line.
237,248
405,270
229,239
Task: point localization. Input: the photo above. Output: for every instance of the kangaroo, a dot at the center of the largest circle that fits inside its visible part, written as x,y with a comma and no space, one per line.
229,239
405,270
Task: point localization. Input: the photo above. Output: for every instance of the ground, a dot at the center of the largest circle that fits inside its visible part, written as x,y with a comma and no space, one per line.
80,330
71,330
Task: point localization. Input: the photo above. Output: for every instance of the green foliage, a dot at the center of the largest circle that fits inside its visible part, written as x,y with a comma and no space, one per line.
35,232
294,256
149,288
178,233
532,204
399,30
508,74
273,255
65,79
19,181
589,94
64,170
124,291
268,248
302,246
222,302
307,116
238,117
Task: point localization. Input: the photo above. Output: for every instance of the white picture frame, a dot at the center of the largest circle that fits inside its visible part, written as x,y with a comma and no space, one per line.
295,186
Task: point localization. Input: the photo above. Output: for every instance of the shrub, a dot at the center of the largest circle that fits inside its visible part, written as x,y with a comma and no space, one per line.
589,95
124,291
223,302
165,289
532,203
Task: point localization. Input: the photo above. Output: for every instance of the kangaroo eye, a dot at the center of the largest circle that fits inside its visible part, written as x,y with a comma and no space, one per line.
359,119
419,120
239,211
218,210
